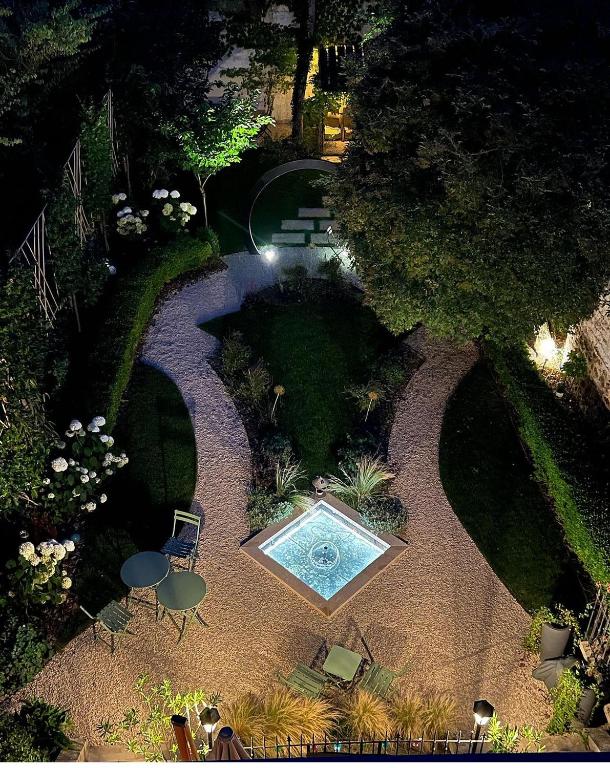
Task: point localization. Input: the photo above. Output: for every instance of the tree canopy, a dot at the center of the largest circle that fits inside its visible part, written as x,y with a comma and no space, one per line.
475,196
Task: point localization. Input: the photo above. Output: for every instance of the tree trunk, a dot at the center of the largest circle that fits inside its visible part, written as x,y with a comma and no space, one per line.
202,184
304,54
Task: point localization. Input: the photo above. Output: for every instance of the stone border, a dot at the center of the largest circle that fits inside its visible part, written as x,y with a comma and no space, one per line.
339,599
307,164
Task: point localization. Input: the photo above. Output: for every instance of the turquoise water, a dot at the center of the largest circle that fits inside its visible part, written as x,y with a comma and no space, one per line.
324,549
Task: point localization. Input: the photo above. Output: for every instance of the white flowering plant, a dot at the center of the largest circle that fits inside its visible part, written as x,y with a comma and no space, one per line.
80,469
131,221
39,574
175,212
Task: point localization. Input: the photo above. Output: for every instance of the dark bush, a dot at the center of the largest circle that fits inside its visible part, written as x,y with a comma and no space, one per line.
34,734
276,448
383,514
23,650
354,449
265,508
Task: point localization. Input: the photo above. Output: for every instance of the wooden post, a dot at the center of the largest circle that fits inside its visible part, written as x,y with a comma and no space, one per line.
184,739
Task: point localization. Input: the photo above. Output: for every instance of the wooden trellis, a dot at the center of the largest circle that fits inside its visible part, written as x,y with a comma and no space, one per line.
596,643
35,250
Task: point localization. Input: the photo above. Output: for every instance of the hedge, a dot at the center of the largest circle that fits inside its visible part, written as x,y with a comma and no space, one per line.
574,503
130,310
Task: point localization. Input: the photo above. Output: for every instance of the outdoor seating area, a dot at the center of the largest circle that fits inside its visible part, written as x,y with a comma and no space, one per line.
343,668
177,594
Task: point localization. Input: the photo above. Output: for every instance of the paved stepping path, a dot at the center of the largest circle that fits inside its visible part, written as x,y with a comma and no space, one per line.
314,213
297,224
288,238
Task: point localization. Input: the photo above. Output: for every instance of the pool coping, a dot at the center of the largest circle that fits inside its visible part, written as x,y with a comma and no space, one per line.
395,548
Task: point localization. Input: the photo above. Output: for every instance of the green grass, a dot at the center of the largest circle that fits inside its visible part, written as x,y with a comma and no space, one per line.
315,350
489,482
282,200
156,433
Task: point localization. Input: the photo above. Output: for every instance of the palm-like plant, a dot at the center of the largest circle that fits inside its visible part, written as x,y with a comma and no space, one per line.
368,480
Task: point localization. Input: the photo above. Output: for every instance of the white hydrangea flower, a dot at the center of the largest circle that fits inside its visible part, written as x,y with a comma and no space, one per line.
104,438
184,206
93,427
144,213
84,478
46,481
66,582
110,441
35,560
103,498
192,210
71,462
99,421
81,433
50,496
59,464
75,492
110,472
90,506
175,194
112,269
75,425
60,444
93,474
167,209
27,549
59,551
69,545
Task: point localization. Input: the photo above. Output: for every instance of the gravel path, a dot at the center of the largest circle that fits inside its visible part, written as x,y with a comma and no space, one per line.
438,606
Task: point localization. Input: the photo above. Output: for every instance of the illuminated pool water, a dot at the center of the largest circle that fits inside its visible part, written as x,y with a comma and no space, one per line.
324,548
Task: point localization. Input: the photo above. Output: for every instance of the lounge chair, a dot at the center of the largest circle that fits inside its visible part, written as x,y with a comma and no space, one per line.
305,681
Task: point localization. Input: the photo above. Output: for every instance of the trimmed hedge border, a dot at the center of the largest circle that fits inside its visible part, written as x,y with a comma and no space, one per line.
548,472
130,310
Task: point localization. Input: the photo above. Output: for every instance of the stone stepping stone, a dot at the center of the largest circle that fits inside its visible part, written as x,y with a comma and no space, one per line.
288,238
314,213
321,238
298,224
324,224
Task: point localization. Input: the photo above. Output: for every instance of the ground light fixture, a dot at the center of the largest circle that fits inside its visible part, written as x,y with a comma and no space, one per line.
269,253
483,711
209,719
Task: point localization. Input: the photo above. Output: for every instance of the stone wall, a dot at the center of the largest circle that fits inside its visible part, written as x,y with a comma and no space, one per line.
593,339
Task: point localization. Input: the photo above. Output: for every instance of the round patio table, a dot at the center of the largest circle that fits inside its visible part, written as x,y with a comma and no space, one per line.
144,570
182,592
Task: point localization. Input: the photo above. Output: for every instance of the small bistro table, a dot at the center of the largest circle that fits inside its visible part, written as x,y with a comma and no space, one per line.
342,664
182,592
144,570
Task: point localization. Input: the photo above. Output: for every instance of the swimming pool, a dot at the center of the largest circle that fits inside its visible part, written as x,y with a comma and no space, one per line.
324,548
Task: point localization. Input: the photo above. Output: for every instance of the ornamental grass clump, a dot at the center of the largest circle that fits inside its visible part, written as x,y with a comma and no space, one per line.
406,711
369,479
438,716
366,716
245,717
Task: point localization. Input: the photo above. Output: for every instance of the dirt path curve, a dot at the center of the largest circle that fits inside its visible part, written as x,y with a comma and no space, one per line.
439,605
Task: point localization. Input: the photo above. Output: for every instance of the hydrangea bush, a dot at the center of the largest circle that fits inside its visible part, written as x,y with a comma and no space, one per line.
38,575
176,213
130,221
80,472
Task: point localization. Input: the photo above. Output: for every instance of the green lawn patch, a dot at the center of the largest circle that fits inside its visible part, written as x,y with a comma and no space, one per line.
315,350
490,485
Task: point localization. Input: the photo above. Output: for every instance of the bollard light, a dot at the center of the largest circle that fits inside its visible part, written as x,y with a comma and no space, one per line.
483,711
209,719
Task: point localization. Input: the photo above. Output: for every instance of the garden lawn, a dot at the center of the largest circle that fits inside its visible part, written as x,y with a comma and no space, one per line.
488,481
316,351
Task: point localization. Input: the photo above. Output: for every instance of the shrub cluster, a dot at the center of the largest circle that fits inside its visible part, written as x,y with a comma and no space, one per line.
34,734
562,461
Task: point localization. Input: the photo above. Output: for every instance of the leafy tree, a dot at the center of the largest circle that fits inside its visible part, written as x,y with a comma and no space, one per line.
215,135
475,193
33,37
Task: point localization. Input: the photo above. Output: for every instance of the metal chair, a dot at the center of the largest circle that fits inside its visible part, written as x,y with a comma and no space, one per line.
113,618
305,681
183,549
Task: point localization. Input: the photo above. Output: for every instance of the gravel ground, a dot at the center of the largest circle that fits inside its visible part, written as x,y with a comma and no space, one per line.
439,606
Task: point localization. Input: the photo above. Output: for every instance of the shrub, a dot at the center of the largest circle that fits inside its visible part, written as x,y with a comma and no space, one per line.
406,713
245,717
575,366
366,715
253,389
129,312
235,355
38,576
438,715
34,734
356,448
276,448
265,508
368,480
24,651
553,448
383,514
507,739
566,697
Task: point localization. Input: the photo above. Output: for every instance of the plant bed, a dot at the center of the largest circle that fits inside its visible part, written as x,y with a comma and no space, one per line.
299,360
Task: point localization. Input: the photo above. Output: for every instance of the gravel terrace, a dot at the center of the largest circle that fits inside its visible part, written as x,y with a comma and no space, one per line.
438,606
